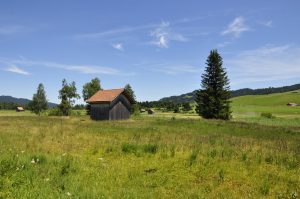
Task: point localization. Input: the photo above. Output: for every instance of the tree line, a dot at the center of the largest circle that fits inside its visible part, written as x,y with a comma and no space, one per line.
212,100
68,94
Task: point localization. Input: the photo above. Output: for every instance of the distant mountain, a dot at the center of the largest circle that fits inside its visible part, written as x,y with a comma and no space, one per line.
190,97
20,101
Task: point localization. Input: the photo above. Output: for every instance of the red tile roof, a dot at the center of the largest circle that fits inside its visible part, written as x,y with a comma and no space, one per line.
105,95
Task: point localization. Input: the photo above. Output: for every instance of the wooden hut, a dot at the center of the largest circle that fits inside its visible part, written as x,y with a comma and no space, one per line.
150,111
114,104
20,109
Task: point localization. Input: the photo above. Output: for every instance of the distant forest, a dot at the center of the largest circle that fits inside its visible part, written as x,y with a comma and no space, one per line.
190,97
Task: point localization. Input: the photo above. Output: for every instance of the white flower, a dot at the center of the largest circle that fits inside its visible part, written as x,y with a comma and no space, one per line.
22,151
64,154
69,194
32,161
100,159
47,179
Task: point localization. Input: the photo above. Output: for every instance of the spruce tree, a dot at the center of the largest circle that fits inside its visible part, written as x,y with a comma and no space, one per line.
39,102
213,99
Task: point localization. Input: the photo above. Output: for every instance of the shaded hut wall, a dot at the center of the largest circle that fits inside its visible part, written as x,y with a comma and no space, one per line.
120,108
100,111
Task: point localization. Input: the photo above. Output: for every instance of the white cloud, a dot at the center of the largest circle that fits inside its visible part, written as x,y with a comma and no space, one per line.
268,24
85,69
15,69
13,29
175,69
112,32
236,27
268,63
163,36
224,44
118,46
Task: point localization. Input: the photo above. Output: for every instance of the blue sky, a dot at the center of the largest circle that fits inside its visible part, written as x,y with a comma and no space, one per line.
159,47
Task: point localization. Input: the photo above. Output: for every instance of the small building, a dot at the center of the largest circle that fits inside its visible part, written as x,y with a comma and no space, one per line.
20,109
114,104
150,111
292,104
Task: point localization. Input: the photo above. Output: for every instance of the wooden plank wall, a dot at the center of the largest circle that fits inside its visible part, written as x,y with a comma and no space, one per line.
100,111
119,112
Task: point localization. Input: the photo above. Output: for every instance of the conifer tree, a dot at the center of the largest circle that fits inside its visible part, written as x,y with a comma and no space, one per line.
39,102
213,98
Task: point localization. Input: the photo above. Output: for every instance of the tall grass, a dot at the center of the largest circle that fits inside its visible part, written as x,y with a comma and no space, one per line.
145,157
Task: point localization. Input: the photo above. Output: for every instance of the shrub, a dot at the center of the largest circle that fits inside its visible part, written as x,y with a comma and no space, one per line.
75,113
129,148
150,148
267,115
54,112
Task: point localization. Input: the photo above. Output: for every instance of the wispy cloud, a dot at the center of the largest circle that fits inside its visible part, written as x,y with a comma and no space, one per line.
13,29
268,24
224,44
85,69
268,63
112,32
163,35
15,69
118,46
171,69
236,27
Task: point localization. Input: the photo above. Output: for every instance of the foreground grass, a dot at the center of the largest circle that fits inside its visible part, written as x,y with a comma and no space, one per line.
44,157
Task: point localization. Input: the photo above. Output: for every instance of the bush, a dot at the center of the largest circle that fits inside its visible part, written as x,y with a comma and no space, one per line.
150,148
129,148
267,115
54,112
75,113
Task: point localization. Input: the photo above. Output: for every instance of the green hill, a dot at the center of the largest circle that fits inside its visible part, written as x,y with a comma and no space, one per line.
190,97
254,105
20,101
277,99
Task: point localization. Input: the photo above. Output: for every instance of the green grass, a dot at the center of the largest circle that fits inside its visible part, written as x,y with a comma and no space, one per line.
250,108
165,155
146,157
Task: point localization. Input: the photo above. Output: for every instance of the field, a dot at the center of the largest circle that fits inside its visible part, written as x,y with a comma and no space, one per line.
162,156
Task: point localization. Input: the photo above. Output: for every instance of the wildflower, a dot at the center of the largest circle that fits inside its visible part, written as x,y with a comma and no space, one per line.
47,179
22,151
100,159
64,154
69,194
32,161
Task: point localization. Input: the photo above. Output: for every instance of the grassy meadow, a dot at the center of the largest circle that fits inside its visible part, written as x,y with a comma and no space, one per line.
164,155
